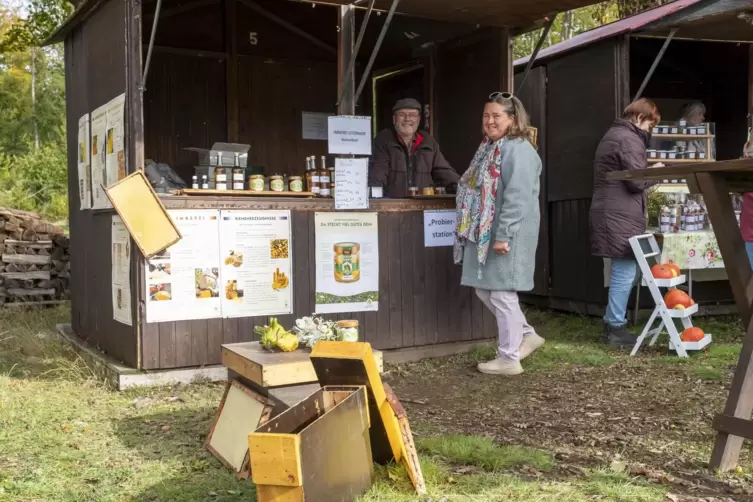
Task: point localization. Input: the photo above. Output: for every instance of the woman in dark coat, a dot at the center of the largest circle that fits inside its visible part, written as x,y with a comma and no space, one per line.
618,209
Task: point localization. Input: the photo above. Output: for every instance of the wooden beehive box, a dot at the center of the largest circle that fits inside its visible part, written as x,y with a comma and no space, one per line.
318,450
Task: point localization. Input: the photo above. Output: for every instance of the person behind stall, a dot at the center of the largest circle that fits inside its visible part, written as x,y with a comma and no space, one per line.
618,210
405,157
498,227
695,115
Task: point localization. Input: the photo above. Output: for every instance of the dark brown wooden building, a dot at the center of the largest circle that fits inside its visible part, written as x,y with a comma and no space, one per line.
243,71
577,88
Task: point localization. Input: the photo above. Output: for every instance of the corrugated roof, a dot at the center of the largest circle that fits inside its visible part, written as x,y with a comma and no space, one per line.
610,30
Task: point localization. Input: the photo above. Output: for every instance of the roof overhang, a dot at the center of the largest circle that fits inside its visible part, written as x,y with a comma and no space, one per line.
500,13
721,21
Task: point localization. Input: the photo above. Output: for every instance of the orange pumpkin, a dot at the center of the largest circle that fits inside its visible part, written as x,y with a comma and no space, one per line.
676,298
674,268
692,335
661,272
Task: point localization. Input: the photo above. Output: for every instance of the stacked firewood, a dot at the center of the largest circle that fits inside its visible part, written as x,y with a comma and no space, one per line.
35,268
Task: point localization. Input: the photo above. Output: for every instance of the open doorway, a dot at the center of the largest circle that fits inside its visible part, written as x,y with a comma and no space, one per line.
406,81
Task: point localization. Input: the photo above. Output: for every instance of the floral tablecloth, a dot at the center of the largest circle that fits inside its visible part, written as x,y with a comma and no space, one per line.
691,250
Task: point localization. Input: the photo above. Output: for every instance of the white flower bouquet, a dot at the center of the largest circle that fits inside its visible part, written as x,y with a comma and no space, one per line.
310,330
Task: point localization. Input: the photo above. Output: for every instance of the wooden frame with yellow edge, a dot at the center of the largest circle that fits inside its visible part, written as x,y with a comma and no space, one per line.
242,471
352,363
143,214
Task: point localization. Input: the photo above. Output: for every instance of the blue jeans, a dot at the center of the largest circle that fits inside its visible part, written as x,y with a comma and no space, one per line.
749,250
621,283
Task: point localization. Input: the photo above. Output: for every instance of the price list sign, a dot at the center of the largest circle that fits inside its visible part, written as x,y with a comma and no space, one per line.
351,184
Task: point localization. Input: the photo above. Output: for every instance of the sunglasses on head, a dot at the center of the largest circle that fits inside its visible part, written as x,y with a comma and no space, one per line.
503,95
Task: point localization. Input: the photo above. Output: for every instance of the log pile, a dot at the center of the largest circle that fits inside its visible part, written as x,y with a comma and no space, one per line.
35,268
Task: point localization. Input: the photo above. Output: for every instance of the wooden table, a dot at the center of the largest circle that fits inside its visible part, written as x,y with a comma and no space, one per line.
715,181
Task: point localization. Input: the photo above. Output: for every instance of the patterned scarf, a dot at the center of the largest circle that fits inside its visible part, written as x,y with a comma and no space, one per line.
476,197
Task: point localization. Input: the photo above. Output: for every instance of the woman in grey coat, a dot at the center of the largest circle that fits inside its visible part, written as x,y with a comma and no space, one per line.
498,227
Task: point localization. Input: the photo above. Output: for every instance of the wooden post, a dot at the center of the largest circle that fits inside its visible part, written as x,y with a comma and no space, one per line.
507,74
231,48
345,40
740,399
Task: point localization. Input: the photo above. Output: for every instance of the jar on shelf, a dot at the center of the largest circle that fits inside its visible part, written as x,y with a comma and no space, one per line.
220,178
347,331
238,178
256,183
296,184
331,171
276,184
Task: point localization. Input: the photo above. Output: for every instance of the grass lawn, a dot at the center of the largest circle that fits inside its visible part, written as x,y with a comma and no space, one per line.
582,424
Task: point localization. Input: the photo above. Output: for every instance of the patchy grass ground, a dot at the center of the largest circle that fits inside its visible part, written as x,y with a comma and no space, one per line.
582,424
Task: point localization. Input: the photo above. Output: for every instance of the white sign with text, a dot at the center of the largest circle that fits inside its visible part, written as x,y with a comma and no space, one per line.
349,135
439,228
351,184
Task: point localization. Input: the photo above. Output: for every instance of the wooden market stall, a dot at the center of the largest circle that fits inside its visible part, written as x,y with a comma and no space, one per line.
193,73
578,87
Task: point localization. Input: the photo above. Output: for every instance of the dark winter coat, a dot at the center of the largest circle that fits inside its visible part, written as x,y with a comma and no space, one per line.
618,207
395,168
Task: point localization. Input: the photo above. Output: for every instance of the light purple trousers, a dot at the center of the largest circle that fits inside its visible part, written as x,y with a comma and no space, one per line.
512,325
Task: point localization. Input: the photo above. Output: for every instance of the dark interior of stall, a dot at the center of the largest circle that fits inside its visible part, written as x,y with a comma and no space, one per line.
286,65
714,73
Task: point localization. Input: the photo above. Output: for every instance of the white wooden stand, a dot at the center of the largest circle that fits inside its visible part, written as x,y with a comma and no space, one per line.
645,247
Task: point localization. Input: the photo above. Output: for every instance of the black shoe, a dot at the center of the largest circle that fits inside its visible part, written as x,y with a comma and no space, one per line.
618,337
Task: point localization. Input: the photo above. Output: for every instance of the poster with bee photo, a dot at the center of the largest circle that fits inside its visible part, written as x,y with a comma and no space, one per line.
257,260
98,144
347,262
114,145
121,272
183,281
84,164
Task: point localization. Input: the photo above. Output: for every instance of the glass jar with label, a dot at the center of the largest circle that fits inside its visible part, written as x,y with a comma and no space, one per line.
276,184
331,181
296,184
256,183
347,331
238,176
220,178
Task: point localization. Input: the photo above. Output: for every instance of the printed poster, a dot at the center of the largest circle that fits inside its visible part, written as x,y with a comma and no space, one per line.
115,167
256,263
347,262
84,164
121,272
98,144
183,281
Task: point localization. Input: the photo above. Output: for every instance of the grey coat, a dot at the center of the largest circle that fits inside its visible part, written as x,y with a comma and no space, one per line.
516,220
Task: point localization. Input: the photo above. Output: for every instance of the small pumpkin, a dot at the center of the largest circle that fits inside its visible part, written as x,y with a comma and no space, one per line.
677,299
661,272
692,335
674,269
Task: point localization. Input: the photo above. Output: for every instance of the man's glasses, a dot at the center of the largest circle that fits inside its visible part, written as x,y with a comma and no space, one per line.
413,116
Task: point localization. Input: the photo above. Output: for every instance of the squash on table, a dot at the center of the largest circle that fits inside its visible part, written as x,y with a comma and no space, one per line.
677,299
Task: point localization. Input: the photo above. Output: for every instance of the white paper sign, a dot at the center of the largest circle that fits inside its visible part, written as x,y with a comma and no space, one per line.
183,282
439,228
98,148
84,164
121,272
347,262
351,183
257,258
115,167
314,125
349,135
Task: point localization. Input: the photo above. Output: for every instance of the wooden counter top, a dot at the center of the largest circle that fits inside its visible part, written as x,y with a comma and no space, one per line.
229,202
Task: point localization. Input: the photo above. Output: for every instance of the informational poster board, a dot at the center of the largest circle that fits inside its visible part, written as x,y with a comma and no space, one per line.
351,184
98,148
84,164
349,135
257,259
183,281
439,227
121,272
314,125
115,166
347,262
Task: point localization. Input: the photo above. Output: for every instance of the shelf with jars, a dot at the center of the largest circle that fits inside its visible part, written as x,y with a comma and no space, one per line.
679,142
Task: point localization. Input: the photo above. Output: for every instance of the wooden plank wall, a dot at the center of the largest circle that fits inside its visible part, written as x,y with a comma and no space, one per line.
421,301
89,86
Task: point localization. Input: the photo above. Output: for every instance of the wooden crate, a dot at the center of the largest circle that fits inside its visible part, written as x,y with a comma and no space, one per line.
318,450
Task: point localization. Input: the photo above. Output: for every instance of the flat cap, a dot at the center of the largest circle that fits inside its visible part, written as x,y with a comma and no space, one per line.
406,103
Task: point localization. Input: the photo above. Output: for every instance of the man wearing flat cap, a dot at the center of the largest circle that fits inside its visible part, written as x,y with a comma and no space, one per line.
404,157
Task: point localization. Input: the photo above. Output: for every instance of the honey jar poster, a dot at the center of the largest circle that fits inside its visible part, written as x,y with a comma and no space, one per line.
347,262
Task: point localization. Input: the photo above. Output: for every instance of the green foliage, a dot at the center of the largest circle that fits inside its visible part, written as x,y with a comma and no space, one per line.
44,17
36,181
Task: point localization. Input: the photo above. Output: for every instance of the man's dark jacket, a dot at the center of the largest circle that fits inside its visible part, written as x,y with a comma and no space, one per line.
618,207
395,168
